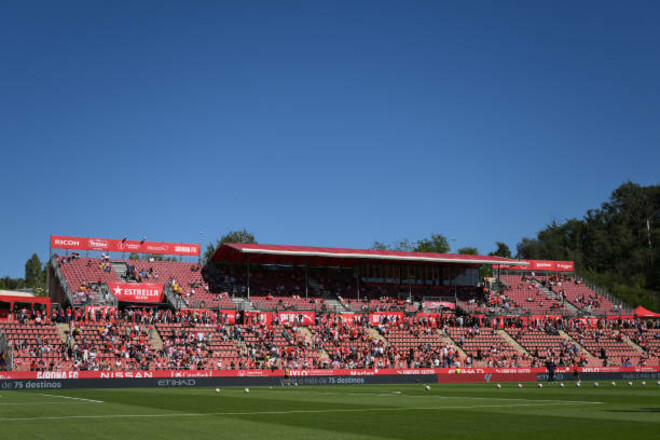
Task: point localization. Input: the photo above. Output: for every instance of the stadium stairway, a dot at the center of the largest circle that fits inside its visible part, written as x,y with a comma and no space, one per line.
630,342
120,269
61,330
445,338
514,343
314,284
310,340
243,304
580,347
377,336
335,305
156,340
569,306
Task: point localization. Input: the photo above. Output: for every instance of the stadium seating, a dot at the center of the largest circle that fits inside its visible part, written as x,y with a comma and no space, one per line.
35,346
488,348
608,345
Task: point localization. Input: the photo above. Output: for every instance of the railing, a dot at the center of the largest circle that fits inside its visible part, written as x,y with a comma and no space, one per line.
317,308
112,299
602,292
174,299
8,350
63,282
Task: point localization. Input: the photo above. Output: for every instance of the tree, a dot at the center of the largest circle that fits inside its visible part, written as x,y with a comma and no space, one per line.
615,246
436,243
35,273
8,283
230,237
501,251
468,251
379,246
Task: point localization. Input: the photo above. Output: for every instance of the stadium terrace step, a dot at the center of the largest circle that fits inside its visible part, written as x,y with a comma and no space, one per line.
120,269
568,337
377,336
243,304
633,344
156,340
62,329
309,338
570,308
447,339
513,342
335,305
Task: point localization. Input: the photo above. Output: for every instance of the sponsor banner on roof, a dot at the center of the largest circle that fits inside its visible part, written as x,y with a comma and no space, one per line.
137,292
540,265
112,245
299,318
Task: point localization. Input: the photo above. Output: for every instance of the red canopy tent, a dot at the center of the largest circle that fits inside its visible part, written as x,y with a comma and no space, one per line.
641,312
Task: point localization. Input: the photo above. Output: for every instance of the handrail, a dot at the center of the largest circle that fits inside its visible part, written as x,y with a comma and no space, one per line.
603,292
173,298
63,282
7,348
105,289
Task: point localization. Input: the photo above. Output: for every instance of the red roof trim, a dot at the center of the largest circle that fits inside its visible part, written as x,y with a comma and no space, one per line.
358,254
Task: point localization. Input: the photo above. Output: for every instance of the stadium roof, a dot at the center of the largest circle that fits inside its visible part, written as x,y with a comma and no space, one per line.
325,256
18,296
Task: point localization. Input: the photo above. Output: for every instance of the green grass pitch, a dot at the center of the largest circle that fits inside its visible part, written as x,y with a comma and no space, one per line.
465,411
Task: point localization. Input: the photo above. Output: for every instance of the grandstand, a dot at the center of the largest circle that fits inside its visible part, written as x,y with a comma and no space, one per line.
271,307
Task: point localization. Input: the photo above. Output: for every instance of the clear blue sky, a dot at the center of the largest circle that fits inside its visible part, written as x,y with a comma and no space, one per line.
320,123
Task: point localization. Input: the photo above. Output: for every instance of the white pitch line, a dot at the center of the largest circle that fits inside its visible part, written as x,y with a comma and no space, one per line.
40,403
258,413
432,396
72,398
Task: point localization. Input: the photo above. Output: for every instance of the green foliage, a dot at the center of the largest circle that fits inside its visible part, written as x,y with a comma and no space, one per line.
8,283
501,251
436,243
468,251
616,246
230,237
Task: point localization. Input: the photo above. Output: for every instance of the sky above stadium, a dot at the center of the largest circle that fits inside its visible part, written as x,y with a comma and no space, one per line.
320,123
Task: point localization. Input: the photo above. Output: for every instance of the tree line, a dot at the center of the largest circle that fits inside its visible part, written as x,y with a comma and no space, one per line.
36,277
614,246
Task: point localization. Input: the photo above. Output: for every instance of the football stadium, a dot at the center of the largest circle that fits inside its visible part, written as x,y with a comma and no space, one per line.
367,220
300,342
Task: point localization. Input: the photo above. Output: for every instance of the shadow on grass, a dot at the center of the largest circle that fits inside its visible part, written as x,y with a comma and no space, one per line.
642,410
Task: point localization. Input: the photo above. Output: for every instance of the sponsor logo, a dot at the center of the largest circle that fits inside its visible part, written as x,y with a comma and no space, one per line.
199,373
177,383
487,377
408,372
57,375
126,374
98,243
59,241
156,248
350,380
467,371
362,373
